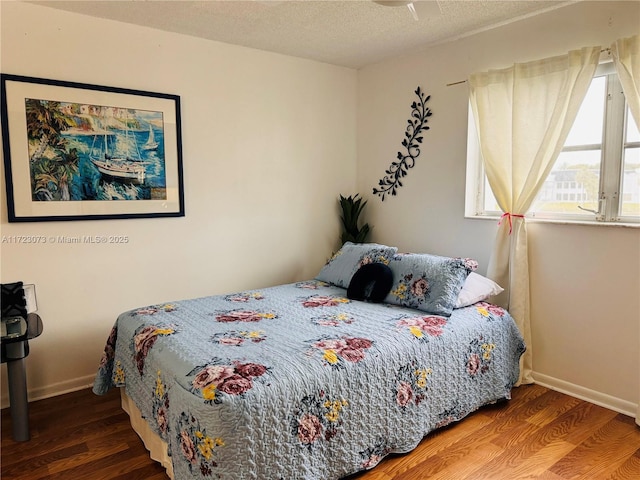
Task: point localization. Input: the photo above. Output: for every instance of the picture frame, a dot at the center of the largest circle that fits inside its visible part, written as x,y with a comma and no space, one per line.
77,151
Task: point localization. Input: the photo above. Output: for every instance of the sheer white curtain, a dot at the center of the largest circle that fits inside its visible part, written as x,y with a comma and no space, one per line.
523,115
626,57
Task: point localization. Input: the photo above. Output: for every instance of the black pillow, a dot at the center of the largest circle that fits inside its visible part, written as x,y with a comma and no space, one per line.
371,283
13,301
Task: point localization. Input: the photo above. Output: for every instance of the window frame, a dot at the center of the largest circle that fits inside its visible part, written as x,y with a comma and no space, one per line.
610,195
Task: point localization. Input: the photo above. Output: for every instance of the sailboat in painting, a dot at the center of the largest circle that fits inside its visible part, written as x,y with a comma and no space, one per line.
151,144
121,168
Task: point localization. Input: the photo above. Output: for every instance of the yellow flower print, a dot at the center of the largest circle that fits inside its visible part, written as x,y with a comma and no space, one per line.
199,435
487,348
206,446
159,386
342,300
209,392
332,415
422,374
400,291
219,442
382,259
118,377
416,331
164,331
331,357
267,315
334,408
342,317
205,451
483,311
255,334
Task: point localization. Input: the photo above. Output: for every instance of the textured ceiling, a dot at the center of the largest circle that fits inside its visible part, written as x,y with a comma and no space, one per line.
350,33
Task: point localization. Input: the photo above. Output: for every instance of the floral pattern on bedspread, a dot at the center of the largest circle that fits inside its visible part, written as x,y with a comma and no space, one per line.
423,327
318,418
337,351
161,406
197,448
309,387
411,387
224,377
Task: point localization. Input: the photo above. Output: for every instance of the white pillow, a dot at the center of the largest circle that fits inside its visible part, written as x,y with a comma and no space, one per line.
475,289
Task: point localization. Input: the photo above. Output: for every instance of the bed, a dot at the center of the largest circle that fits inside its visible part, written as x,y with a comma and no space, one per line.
299,381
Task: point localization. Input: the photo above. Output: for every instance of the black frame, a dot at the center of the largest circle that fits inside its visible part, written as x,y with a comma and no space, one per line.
21,207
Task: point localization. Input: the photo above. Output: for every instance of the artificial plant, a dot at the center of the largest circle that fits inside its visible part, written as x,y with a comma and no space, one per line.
351,208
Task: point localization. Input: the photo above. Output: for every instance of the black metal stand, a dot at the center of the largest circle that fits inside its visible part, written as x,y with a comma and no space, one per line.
15,348
17,372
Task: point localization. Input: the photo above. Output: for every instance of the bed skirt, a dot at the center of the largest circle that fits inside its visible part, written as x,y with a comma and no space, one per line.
153,443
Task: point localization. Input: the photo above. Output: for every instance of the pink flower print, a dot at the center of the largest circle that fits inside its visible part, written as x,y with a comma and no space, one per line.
188,449
359,343
238,298
431,325
351,354
322,301
473,364
161,418
404,394
239,316
233,341
334,344
309,429
491,308
250,370
147,311
143,337
235,385
212,374
372,461
420,288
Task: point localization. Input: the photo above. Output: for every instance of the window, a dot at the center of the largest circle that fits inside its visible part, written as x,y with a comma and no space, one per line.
596,177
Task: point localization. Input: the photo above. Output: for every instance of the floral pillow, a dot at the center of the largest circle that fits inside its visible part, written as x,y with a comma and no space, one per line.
340,268
428,282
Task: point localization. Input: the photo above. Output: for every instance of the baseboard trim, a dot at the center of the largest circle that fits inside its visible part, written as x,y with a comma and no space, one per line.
53,390
592,396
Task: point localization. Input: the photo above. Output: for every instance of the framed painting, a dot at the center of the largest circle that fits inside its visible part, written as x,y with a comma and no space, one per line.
75,151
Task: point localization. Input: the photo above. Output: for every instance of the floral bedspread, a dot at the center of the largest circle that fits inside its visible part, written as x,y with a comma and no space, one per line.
299,382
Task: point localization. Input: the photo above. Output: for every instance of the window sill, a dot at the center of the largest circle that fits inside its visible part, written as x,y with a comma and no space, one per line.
496,218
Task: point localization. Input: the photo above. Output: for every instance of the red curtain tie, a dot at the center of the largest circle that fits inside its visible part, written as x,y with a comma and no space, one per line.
509,215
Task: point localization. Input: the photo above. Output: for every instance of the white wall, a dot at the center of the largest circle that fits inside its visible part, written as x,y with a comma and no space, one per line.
269,142
585,281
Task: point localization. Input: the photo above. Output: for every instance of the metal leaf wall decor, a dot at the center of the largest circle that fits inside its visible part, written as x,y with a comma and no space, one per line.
420,114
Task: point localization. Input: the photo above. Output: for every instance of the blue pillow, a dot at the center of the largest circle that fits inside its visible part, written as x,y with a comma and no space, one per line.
427,282
340,268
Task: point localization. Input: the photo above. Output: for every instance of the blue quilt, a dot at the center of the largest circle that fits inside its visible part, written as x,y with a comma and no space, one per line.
299,382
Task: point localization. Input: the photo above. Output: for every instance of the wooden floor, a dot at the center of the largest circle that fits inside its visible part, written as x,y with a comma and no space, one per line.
538,434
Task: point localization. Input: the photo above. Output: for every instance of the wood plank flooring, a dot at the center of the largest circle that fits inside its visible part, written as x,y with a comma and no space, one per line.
539,434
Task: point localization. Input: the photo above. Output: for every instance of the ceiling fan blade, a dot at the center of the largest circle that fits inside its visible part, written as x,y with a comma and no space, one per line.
412,9
419,8
427,8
